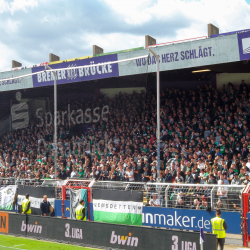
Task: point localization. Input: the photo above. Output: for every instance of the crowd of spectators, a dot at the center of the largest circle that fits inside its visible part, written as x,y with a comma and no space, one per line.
205,139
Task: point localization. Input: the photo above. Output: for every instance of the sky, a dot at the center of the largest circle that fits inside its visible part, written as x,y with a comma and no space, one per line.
31,29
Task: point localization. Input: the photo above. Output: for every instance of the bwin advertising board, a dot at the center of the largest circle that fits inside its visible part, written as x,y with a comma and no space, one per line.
107,235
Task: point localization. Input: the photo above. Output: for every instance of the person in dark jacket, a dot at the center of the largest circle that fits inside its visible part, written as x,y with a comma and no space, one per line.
45,207
168,176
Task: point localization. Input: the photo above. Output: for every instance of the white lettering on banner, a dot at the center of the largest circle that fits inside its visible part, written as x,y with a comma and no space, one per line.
48,76
31,228
35,202
72,74
122,240
183,55
185,222
188,245
175,242
185,245
177,219
63,74
74,116
76,233
118,206
7,82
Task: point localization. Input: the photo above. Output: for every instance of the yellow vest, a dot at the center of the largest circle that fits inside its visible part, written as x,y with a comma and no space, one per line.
217,226
79,213
25,206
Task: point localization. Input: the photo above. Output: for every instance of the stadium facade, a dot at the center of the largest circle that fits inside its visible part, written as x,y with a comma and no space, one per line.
222,54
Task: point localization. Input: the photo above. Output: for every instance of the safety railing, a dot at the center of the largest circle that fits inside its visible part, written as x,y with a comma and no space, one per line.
54,183
198,196
31,182
7,181
20,181
174,195
119,185
244,218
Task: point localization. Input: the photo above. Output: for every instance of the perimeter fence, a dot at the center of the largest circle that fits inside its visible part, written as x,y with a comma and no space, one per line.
170,195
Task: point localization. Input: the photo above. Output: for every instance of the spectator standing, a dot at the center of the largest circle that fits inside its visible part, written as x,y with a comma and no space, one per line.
236,180
168,177
129,175
45,207
218,227
222,194
80,213
26,209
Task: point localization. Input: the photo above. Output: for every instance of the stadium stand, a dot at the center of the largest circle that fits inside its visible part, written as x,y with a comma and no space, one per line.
204,140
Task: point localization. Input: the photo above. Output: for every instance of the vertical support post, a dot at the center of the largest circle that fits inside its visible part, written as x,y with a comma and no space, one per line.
89,200
63,199
55,119
55,122
245,210
158,120
158,133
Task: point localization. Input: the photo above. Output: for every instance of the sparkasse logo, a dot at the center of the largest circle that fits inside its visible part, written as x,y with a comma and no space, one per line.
122,240
31,228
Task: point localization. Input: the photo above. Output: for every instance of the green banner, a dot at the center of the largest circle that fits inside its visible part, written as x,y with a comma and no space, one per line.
118,218
7,196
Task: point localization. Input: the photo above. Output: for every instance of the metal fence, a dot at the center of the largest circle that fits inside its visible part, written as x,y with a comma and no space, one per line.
185,196
198,197
170,195
75,184
30,182
119,185
19,181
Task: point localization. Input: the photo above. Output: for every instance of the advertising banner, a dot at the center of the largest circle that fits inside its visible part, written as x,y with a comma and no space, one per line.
36,197
121,207
20,83
77,75
229,33
244,45
58,208
188,219
4,222
183,55
107,235
15,224
7,197
248,228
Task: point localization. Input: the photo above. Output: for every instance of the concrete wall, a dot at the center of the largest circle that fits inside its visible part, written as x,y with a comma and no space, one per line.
53,57
115,91
97,50
212,30
235,78
149,40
